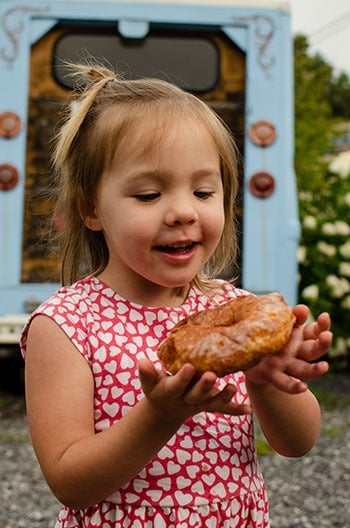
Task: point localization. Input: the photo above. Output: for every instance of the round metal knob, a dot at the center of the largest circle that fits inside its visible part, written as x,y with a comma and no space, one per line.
10,124
262,133
8,176
262,184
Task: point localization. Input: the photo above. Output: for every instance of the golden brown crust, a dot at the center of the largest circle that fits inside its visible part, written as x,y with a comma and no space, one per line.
231,337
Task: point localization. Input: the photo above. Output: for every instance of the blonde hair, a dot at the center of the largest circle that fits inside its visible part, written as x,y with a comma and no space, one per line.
98,124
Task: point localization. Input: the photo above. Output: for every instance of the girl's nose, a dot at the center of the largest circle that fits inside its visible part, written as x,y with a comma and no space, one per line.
181,211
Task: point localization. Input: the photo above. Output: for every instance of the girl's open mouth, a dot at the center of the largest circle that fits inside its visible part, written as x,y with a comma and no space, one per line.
177,248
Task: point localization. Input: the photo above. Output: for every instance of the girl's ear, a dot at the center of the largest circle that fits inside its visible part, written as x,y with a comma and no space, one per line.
92,221
88,213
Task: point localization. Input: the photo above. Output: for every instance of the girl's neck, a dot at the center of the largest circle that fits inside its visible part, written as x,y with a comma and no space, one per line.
149,295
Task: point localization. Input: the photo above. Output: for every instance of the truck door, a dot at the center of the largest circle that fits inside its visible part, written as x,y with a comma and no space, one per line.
214,69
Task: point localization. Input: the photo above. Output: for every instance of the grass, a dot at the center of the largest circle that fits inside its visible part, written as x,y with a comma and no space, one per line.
332,432
330,399
11,437
263,448
11,407
11,403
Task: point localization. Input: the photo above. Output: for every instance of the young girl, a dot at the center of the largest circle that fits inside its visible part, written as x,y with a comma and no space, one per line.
145,202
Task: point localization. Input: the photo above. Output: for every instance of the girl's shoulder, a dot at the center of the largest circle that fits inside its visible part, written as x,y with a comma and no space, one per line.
73,303
67,298
81,294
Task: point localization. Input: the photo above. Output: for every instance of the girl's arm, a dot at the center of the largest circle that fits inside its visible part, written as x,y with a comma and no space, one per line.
291,423
287,411
81,467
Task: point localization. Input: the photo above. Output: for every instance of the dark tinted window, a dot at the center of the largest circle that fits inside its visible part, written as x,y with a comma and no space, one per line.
190,62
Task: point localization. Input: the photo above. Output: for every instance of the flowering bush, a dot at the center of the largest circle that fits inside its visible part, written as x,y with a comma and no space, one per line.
324,254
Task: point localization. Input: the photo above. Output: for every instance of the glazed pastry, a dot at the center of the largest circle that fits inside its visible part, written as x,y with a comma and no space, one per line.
231,337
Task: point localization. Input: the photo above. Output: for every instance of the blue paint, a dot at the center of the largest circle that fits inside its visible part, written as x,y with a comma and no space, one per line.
271,225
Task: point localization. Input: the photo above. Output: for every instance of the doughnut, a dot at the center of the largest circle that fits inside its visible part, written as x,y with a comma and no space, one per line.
230,337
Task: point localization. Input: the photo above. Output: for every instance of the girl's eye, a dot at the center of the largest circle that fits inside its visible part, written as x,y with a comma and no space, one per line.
149,197
203,195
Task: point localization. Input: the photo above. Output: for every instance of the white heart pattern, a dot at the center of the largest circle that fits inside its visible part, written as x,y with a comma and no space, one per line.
207,474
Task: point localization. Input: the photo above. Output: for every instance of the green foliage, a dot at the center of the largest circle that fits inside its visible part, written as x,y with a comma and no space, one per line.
324,257
324,197
331,400
263,448
9,437
313,124
340,96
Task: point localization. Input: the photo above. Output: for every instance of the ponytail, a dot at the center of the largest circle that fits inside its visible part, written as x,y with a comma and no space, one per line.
93,79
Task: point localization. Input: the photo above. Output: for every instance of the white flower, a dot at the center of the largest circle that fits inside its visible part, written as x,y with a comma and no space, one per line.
342,228
338,228
328,229
331,280
326,249
310,292
339,347
344,250
344,269
346,303
301,254
310,222
305,196
341,164
338,286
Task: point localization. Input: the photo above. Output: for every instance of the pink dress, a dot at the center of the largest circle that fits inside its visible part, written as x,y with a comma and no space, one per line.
207,475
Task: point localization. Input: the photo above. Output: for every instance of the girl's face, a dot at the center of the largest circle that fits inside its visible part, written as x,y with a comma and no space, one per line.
161,213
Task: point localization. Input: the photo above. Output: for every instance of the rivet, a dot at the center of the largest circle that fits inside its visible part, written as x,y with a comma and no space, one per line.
8,176
10,124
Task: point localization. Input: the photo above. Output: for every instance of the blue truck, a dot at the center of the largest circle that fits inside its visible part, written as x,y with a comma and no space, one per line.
237,55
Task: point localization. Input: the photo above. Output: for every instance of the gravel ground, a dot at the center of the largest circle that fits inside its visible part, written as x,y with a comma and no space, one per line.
312,492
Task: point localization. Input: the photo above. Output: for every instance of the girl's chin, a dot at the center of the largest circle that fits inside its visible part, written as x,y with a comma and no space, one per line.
178,282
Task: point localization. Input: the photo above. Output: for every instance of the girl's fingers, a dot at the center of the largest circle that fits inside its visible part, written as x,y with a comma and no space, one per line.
203,389
306,371
178,384
171,386
148,375
222,402
313,330
205,396
287,383
313,349
301,312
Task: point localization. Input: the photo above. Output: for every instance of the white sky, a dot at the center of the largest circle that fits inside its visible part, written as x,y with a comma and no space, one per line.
327,25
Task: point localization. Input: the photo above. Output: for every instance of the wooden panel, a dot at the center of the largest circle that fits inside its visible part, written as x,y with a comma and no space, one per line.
46,99
45,102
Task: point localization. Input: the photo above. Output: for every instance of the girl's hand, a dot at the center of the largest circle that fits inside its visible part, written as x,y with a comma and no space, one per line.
287,368
182,395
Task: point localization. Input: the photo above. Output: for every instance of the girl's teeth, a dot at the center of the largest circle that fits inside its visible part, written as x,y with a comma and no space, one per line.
177,247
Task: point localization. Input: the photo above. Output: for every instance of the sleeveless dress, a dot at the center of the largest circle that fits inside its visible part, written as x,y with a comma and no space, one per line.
207,475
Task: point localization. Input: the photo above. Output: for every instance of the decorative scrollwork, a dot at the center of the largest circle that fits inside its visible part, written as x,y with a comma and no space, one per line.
12,24
264,29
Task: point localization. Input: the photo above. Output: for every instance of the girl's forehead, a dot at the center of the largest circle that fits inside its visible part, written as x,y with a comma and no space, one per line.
140,130
152,140
149,133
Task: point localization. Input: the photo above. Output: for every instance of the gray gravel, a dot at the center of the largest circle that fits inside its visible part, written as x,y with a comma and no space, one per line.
313,492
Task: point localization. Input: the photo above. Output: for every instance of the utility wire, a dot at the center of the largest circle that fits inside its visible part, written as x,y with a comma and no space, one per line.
329,30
